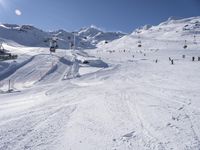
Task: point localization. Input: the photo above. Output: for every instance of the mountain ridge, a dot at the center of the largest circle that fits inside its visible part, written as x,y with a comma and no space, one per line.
28,35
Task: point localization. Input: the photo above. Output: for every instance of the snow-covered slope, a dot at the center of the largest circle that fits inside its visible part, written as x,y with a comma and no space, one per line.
104,100
134,104
30,36
167,35
25,35
172,29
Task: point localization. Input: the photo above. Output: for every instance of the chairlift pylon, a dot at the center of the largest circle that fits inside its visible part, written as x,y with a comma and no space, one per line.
195,42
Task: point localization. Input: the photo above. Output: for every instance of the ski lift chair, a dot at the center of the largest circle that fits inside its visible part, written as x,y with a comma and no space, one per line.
53,46
139,44
52,49
185,46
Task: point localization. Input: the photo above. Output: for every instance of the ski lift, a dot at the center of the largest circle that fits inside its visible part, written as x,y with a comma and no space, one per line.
53,45
69,38
71,45
139,44
185,46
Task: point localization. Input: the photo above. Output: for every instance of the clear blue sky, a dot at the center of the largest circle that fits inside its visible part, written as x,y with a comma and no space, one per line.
111,15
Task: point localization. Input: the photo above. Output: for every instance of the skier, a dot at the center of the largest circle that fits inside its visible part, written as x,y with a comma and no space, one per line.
193,58
172,61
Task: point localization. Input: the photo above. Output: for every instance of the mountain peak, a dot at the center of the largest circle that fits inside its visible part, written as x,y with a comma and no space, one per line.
90,30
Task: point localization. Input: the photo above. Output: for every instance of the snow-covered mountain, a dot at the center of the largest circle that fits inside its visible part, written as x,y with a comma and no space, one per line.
96,35
25,35
30,36
172,29
166,35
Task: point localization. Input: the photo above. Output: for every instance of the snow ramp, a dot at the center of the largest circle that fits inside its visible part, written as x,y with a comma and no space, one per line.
43,68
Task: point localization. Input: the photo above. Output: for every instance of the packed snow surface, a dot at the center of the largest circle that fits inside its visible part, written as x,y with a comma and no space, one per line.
135,103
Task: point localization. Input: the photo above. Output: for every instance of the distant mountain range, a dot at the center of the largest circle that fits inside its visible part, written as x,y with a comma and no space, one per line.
169,34
27,35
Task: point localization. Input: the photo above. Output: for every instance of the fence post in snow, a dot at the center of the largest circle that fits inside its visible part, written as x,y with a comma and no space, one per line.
9,86
198,58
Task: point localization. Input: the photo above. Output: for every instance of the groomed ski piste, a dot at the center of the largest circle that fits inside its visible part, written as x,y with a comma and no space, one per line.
116,97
